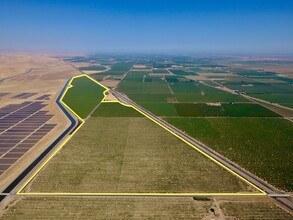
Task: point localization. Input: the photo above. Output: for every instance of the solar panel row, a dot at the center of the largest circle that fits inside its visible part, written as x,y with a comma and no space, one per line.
24,95
43,97
21,127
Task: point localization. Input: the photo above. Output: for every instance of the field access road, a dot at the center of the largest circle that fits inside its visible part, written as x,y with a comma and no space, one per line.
280,198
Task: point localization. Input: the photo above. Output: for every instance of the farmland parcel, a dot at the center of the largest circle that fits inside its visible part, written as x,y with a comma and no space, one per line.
133,155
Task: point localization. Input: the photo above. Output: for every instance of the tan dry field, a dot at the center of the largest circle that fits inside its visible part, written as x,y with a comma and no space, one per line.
80,64
110,83
200,77
89,72
139,66
39,74
110,97
33,73
131,155
284,68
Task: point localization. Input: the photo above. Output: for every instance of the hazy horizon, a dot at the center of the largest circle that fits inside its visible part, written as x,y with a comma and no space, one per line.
261,27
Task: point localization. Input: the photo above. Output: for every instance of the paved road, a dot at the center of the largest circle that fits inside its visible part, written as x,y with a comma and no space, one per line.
278,196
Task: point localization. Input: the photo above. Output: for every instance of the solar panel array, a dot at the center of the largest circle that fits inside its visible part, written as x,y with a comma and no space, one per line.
21,127
43,97
24,95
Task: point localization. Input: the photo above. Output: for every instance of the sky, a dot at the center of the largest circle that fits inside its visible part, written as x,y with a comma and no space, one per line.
185,26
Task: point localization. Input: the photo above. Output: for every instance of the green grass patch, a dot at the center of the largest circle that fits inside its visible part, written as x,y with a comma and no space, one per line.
115,110
84,96
261,145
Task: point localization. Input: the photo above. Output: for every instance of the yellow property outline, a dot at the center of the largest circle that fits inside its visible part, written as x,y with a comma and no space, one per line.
19,192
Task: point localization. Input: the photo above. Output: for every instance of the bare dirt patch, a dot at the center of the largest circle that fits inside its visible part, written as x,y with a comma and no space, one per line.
110,83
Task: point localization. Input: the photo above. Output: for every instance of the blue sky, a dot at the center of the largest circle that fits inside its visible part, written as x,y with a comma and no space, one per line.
198,26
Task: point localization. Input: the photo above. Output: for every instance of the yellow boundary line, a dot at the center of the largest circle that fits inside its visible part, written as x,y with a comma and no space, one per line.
19,192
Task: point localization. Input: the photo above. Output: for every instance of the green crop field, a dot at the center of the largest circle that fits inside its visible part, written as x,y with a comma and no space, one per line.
143,88
195,92
98,68
184,90
202,96
275,98
174,79
257,88
261,145
204,110
182,72
115,110
251,72
135,76
191,87
229,110
83,96
131,154
68,208
160,71
151,97
270,80
161,109
248,110
196,69
289,105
